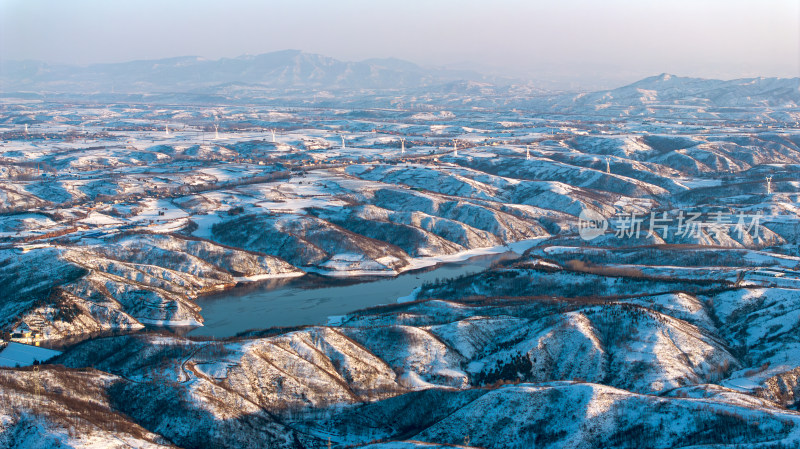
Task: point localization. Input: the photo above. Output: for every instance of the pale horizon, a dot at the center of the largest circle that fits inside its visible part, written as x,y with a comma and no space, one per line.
576,42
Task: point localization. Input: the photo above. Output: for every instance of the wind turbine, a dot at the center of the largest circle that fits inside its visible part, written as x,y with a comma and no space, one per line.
342,136
455,148
769,185
273,135
608,166
527,152
216,131
166,130
402,145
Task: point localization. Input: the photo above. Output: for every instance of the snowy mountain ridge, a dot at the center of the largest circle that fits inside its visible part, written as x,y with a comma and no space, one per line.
269,75
281,69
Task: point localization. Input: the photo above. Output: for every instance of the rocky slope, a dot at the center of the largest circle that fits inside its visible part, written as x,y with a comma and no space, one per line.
621,371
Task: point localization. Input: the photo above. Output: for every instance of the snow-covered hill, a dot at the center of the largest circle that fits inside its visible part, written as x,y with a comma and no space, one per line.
642,288
643,370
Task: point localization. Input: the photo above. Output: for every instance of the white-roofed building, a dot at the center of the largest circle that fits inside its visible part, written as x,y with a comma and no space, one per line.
19,354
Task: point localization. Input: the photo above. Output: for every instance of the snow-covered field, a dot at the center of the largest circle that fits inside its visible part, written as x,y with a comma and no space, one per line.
673,325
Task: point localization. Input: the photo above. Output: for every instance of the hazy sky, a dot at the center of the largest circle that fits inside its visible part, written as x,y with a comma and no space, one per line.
572,39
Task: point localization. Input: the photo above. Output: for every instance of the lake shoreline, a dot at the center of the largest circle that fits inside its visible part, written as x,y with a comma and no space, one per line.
317,299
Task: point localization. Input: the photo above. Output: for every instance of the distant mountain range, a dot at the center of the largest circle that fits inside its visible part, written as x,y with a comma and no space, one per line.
675,90
282,69
298,76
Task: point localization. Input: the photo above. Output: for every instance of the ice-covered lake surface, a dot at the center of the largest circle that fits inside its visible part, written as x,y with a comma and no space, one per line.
319,300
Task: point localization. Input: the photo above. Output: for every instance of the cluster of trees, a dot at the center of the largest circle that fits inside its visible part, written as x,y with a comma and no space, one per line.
67,399
581,280
518,368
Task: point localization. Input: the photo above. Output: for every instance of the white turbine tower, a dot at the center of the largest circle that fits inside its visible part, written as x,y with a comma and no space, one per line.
402,145
527,152
455,148
343,146
769,185
273,135
166,130
216,131
608,166
26,128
